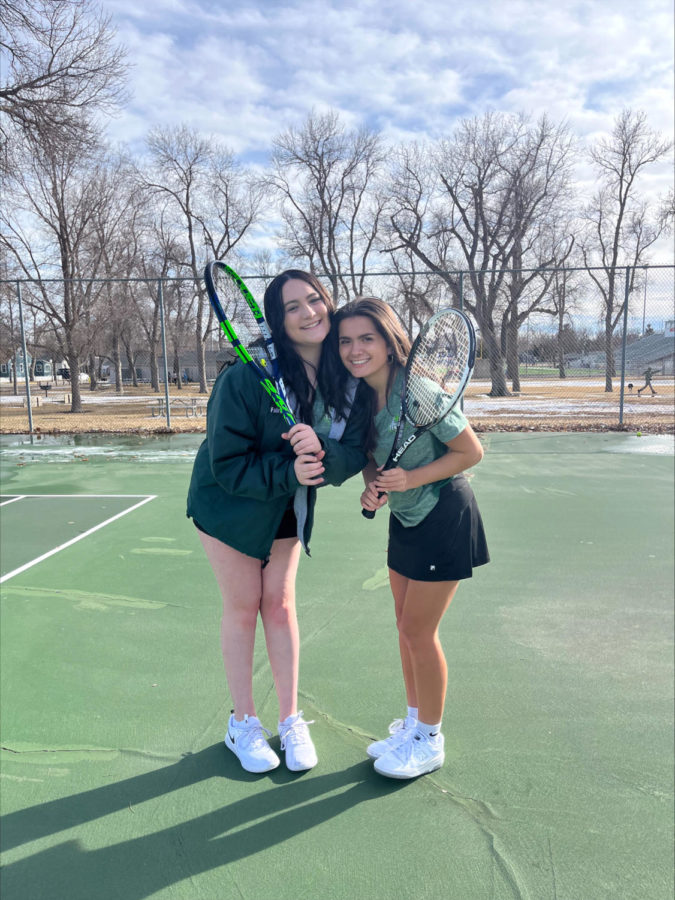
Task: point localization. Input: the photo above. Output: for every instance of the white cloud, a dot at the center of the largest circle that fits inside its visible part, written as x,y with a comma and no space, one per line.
249,70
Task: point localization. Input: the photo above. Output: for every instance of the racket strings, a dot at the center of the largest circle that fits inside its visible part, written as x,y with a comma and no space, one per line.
237,310
437,370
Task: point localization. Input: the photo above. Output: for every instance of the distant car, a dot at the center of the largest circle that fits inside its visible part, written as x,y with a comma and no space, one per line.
65,373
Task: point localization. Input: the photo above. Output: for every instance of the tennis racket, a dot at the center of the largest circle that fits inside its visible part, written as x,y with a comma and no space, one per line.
259,351
437,372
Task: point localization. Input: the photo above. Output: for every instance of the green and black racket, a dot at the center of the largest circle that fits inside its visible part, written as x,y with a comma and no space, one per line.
260,352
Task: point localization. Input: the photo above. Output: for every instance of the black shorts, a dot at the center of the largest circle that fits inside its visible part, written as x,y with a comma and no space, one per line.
447,545
288,527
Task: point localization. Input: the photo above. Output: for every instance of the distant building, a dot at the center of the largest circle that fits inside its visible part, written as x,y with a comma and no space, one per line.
43,368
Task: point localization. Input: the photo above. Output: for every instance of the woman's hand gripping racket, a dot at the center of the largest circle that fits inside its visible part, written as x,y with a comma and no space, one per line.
437,372
261,353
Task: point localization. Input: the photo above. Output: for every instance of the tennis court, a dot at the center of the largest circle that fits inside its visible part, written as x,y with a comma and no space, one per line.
558,781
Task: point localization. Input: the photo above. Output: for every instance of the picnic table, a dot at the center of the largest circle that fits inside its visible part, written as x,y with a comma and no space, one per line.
190,406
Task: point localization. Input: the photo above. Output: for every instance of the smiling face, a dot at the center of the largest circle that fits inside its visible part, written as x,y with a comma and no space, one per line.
306,317
363,350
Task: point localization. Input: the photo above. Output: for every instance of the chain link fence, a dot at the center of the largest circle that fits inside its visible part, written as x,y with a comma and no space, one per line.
558,349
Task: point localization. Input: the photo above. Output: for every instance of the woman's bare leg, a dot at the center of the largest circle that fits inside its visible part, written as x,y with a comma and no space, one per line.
280,621
240,581
399,586
423,607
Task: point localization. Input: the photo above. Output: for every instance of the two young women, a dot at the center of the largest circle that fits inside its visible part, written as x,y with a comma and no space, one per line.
252,496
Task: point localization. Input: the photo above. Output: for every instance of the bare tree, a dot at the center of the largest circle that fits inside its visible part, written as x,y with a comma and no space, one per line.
530,290
215,201
416,294
326,179
564,293
55,196
409,205
60,59
619,226
482,195
118,227
159,257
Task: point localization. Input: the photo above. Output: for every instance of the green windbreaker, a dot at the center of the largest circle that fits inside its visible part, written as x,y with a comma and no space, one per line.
243,476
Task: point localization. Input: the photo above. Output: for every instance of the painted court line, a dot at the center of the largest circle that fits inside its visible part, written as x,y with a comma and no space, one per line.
11,500
34,562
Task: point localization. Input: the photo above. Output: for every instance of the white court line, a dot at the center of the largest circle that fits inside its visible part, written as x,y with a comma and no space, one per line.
85,534
94,496
12,500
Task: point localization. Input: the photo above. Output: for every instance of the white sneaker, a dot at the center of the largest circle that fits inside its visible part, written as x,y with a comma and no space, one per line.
248,742
418,756
400,730
296,742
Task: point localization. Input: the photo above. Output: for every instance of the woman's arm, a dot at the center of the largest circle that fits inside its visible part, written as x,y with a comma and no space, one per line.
463,452
346,456
340,458
235,418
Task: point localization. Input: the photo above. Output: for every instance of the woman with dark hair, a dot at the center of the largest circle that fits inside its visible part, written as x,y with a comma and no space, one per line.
252,497
436,535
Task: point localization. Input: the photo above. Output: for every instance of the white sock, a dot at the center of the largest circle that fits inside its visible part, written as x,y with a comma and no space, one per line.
429,730
412,712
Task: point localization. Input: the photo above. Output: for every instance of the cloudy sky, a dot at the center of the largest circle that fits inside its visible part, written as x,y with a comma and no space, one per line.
246,70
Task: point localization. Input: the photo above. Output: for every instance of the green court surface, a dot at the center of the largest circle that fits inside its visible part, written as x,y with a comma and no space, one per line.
558,781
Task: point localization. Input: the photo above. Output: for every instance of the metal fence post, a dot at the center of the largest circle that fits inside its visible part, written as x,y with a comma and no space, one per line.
623,344
166,368
25,358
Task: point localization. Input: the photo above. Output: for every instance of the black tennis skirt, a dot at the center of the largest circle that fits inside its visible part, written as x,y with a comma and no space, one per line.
447,545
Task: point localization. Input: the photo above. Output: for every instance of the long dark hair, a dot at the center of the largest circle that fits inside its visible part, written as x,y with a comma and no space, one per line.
291,364
388,325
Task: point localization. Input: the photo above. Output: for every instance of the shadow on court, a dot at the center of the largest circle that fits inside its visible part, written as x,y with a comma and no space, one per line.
137,868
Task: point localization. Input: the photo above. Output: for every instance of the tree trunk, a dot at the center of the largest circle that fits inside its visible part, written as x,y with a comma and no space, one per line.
512,364
132,367
561,350
497,374
201,362
176,370
75,396
93,373
154,369
609,355
117,364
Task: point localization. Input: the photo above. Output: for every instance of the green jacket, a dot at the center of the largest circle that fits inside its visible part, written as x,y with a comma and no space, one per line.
243,476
